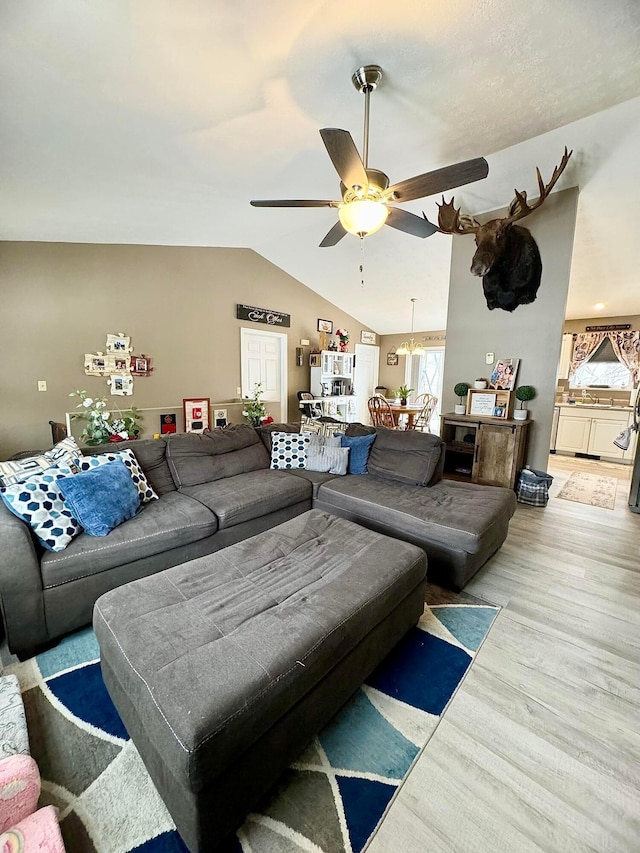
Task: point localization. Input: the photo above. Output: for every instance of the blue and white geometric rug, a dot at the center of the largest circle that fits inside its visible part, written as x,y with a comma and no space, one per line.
329,801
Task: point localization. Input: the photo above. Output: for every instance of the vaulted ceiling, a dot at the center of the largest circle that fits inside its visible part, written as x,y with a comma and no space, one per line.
156,122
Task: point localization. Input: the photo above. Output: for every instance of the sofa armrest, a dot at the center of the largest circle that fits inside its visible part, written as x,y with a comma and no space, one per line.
21,595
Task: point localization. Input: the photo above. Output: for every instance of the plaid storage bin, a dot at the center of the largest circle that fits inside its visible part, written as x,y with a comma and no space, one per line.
533,487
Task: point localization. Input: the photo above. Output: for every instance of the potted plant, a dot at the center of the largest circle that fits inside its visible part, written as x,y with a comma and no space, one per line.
403,393
461,389
524,393
481,382
254,409
104,426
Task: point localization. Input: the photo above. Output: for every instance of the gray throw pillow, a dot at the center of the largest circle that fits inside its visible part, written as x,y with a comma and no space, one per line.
327,459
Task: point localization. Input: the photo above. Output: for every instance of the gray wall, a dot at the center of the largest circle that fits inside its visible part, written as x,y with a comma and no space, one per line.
59,300
532,333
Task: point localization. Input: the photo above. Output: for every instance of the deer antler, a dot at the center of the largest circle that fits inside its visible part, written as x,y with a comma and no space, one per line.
520,207
451,222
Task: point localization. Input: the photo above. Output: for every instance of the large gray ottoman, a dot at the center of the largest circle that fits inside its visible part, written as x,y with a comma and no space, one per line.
224,668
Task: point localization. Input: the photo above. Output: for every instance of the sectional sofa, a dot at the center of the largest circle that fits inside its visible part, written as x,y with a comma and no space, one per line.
217,489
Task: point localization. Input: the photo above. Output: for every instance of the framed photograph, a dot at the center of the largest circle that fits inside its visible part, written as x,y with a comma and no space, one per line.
503,376
196,414
325,326
121,385
121,363
392,359
314,359
95,364
141,365
118,343
367,337
492,403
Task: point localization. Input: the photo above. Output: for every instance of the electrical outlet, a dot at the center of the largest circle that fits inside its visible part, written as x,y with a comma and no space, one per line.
238,391
42,385
490,357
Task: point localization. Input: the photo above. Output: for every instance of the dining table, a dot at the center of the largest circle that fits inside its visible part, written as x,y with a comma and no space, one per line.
411,411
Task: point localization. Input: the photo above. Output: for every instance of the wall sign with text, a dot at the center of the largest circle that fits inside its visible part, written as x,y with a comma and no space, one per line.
262,315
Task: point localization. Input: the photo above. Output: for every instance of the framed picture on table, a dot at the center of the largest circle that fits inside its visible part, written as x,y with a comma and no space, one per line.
196,414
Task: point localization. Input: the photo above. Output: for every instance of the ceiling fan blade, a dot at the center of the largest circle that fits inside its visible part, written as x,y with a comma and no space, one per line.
419,226
293,202
334,235
441,179
344,156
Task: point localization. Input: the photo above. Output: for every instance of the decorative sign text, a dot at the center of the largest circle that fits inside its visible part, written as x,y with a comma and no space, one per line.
611,328
262,315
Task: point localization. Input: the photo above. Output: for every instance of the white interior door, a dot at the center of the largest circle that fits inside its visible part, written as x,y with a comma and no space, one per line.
264,361
366,378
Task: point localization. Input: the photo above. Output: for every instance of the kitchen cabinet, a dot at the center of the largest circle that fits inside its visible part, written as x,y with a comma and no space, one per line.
485,450
591,430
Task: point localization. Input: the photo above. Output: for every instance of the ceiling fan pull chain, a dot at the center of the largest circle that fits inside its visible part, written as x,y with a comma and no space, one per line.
362,262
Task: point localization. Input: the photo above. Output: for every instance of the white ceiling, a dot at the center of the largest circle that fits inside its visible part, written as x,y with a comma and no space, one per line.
156,122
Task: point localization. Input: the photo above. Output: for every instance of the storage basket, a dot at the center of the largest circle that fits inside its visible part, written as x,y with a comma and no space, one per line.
533,487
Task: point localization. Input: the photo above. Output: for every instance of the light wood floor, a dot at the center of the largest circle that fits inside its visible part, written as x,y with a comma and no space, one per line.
539,749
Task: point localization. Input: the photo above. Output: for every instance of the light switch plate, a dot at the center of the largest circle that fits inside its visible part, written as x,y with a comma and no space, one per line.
42,385
490,357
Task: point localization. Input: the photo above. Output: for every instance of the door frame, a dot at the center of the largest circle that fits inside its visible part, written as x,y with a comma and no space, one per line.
365,348
283,340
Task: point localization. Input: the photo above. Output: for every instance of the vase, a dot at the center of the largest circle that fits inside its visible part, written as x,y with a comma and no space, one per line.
460,409
403,401
521,414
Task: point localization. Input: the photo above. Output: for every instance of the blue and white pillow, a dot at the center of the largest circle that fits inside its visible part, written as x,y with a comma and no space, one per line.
40,503
128,457
288,450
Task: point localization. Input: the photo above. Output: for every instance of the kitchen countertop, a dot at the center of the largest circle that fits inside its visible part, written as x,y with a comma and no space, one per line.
598,406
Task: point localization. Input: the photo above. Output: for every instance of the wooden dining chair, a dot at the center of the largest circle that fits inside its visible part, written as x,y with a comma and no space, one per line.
380,412
422,419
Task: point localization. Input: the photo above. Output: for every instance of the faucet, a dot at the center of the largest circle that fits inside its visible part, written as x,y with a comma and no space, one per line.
587,396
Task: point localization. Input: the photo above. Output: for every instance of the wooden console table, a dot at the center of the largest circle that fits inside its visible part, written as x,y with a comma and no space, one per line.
485,450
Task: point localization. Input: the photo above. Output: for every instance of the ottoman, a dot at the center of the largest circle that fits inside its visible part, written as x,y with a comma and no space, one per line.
224,668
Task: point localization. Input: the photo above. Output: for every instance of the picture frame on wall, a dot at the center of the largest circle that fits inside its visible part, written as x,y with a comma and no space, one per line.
325,326
392,359
367,337
503,375
314,359
196,413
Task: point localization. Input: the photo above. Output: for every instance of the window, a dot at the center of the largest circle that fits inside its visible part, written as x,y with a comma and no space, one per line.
602,370
424,373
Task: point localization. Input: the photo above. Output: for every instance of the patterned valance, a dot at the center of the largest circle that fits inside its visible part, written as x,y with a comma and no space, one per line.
626,346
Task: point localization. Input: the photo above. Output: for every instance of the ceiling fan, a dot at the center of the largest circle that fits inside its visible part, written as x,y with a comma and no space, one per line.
366,195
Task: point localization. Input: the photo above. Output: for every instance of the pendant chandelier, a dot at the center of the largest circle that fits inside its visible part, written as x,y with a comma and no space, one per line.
410,347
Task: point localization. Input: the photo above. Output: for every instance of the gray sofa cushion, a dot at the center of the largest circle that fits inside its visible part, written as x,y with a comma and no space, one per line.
456,515
221,453
151,453
316,478
410,457
251,495
161,525
260,624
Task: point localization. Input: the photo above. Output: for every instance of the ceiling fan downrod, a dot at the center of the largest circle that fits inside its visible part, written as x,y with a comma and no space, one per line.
366,79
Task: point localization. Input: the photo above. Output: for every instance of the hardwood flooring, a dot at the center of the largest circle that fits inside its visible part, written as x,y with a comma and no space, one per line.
539,750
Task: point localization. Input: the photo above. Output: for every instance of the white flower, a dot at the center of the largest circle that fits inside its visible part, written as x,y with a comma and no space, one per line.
87,402
124,434
100,404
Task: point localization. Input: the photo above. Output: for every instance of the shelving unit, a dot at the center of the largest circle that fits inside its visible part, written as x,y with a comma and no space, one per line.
488,450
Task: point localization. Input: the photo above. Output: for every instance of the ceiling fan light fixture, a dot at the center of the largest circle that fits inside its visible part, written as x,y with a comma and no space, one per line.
363,216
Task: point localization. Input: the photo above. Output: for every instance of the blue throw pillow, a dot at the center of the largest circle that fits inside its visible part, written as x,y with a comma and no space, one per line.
359,448
102,498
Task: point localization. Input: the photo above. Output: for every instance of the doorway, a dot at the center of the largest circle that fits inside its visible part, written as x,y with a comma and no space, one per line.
424,373
263,360
366,378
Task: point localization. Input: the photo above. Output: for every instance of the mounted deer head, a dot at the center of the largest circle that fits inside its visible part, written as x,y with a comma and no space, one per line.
506,256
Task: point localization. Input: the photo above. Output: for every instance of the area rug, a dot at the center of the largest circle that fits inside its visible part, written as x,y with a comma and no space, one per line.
591,489
329,801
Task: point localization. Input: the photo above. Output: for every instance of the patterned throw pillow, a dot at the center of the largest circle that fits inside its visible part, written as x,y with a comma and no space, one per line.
127,456
66,453
288,450
40,503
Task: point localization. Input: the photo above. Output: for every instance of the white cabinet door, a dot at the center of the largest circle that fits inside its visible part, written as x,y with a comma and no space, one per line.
573,434
603,431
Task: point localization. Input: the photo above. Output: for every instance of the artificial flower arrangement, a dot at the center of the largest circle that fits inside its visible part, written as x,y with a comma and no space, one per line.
343,334
102,425
254,411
